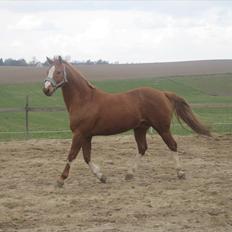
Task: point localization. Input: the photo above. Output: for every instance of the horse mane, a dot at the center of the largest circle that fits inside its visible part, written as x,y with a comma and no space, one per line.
79,74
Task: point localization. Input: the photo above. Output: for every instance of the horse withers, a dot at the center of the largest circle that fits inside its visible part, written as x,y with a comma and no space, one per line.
94,112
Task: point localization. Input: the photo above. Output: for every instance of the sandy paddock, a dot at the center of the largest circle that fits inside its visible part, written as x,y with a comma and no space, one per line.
154,201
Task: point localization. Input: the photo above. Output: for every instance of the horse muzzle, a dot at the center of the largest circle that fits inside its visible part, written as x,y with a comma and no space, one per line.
48,91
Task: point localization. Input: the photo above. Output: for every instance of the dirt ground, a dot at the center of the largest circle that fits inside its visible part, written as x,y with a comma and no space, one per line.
154,201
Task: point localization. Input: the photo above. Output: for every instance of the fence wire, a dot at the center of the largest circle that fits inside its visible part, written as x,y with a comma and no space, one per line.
27,130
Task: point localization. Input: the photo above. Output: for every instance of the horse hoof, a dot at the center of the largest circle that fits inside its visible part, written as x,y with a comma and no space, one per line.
103,179
60,183
181,174
129,176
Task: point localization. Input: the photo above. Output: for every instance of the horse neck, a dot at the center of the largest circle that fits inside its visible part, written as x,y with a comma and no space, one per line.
77,90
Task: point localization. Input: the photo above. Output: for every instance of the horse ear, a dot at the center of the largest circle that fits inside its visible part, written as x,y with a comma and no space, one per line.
51,62
60,59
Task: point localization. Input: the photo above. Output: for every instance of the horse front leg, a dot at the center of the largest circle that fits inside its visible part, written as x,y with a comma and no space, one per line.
86,148
75,148
140,138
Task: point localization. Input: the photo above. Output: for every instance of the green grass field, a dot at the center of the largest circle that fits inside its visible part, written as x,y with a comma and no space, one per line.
208,89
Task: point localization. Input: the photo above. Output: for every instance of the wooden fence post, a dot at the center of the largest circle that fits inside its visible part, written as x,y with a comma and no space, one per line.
27,116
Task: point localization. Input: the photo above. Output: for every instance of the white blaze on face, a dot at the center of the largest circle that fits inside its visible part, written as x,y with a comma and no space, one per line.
51,71
47,84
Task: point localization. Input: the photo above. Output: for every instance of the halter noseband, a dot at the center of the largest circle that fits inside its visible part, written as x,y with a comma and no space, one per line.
54,83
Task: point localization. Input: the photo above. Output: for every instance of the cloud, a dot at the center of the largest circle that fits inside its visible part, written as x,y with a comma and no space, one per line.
16,44
130,35
32,22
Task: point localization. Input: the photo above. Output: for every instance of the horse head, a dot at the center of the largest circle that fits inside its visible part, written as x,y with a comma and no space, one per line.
56,76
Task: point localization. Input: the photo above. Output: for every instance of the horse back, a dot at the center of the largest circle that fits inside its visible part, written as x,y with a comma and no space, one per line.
123,111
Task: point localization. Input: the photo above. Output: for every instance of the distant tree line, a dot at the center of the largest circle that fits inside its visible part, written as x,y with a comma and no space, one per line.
100,61
13,62
18,62
35,62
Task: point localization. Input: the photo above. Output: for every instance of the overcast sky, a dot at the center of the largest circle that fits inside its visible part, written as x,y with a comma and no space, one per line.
124,31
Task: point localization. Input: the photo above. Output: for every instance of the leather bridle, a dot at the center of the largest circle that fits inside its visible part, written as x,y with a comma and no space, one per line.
54,83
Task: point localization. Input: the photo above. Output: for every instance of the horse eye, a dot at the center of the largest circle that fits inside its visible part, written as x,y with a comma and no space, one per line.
58,72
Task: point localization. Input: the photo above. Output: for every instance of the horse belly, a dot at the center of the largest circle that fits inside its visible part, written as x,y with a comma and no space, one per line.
114,123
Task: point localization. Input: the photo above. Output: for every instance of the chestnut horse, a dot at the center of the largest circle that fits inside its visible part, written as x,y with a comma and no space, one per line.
94,112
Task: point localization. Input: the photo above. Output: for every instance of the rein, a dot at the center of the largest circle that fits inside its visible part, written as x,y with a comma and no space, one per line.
54,83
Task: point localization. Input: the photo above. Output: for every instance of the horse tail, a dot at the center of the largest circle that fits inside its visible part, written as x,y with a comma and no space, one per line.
183,111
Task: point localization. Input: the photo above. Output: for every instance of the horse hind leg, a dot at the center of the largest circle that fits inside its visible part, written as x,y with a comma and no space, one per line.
171,143
140,138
